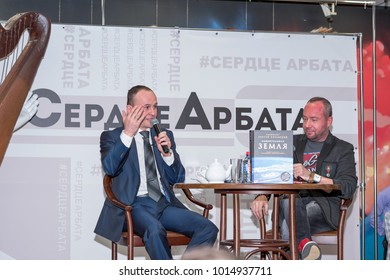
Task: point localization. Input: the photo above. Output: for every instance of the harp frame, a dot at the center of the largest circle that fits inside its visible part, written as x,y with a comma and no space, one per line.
18,81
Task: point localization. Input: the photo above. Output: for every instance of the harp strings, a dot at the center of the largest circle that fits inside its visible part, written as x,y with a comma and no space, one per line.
13,39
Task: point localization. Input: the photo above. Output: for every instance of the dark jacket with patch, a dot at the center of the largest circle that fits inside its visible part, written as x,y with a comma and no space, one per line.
336,161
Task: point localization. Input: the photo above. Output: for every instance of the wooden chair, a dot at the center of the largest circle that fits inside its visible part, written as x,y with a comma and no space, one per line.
130,239
335,237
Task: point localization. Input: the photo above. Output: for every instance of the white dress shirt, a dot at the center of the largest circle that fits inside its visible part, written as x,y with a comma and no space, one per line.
126,140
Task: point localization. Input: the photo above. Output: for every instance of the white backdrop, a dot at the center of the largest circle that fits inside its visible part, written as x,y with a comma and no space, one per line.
213,87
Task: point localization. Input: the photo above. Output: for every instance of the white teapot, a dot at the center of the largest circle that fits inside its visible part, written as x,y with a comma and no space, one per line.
214,173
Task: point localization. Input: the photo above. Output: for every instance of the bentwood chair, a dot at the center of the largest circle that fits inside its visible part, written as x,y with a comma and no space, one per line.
270,246
335,237
130,239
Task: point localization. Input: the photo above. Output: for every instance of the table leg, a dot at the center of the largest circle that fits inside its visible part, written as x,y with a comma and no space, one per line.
275,223
237,226
222,229
292,229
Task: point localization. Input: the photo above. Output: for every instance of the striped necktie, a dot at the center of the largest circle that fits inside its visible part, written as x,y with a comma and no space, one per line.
153,186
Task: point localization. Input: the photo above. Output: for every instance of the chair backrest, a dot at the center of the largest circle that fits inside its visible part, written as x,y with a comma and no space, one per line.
335,237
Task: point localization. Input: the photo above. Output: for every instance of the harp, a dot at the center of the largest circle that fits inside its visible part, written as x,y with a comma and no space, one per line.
23,42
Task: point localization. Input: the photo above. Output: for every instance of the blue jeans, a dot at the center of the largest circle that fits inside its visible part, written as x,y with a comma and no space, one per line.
309,218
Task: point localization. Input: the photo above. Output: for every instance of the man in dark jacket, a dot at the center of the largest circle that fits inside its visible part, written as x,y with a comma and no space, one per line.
321,159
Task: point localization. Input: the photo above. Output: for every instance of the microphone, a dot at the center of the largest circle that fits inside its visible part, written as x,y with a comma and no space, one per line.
157,128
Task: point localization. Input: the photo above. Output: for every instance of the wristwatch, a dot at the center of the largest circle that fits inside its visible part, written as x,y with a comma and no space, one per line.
314,178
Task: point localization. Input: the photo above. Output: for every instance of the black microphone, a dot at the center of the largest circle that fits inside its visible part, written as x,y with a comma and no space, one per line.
156,126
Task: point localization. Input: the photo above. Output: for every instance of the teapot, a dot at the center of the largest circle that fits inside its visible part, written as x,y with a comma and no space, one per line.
214,173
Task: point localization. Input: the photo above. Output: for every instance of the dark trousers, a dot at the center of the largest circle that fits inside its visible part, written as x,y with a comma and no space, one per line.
152,219
309,218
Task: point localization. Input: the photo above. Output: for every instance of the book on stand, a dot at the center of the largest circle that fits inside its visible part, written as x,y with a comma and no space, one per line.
271,153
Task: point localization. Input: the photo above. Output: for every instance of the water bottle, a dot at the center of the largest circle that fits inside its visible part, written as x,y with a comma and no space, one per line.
246,168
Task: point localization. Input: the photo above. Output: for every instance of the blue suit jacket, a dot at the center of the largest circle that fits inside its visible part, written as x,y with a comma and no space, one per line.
121,163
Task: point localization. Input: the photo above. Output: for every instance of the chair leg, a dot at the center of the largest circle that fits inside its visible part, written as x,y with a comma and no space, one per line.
130,246
340,255
114,251
340,245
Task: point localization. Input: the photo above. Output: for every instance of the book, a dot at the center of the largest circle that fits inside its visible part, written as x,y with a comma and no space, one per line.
271,153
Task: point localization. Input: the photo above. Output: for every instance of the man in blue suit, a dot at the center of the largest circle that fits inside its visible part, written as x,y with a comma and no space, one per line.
122,156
